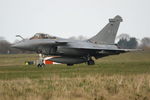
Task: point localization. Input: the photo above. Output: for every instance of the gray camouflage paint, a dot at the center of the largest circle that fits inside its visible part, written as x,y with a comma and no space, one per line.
73,51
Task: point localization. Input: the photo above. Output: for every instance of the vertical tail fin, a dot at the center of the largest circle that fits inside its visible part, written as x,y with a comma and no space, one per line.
108,34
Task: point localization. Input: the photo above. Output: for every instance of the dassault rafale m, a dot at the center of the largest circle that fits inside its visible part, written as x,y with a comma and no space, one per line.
74,51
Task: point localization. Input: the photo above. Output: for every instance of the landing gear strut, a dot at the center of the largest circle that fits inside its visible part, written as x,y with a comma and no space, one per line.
40,61
90,61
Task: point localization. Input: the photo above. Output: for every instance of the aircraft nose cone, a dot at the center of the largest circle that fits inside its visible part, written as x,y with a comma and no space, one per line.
23,46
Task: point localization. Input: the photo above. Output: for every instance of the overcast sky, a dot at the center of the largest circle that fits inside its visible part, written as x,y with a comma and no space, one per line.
66,18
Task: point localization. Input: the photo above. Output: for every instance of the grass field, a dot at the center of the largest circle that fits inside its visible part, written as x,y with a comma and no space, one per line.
120,77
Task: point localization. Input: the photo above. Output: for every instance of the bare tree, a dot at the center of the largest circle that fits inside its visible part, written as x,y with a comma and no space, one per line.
78,38
145,43
123,36
73,38
4,47
128,44
81,37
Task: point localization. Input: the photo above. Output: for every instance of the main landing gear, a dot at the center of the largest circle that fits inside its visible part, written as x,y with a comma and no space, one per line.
88,59
69,64
90,62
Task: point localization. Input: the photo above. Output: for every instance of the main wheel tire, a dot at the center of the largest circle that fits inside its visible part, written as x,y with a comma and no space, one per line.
91,62
69,64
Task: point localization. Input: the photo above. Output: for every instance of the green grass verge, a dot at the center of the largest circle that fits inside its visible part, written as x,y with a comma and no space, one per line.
119,77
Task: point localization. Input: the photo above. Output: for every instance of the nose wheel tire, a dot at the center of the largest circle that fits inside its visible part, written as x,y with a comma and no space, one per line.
41,65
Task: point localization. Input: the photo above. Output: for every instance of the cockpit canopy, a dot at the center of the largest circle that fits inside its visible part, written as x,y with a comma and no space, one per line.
42,36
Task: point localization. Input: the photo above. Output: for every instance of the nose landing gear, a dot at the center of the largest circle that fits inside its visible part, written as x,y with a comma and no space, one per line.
40,61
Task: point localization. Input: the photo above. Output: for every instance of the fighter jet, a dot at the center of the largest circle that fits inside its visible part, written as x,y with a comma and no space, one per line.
74,51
